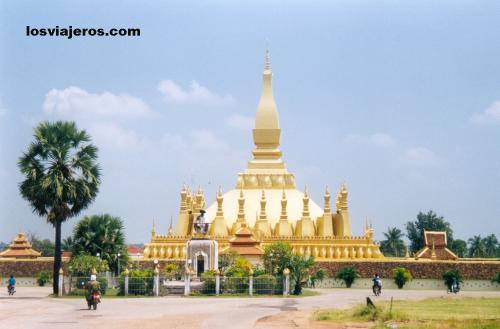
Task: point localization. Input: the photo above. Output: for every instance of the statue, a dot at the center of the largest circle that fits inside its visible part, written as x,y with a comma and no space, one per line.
201,223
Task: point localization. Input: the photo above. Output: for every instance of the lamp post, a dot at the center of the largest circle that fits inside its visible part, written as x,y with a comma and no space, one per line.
119,263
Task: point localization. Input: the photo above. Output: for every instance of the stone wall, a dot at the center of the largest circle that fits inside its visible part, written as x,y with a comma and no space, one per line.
28,267
420,269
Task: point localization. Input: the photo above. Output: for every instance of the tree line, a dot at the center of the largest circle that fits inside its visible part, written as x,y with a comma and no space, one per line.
475,247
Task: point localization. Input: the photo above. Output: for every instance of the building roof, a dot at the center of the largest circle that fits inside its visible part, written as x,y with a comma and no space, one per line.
20,248
435,247
135,250
244,244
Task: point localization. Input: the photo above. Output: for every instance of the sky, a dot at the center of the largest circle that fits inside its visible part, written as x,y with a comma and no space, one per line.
400,100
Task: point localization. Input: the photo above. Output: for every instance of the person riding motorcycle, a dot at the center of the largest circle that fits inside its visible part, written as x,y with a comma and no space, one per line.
11,288
91,287
377,283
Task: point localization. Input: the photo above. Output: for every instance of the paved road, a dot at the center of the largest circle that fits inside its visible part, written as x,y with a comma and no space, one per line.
32,309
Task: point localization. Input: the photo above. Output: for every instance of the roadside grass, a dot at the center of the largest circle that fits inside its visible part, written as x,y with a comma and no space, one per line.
439,313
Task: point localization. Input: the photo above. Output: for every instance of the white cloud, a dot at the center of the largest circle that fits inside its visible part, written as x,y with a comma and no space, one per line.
114,136
421,157
207,140
240,122
75,102
196,93
376,139
489,116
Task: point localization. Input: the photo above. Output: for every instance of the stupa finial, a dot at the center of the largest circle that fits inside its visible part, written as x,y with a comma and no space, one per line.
267,65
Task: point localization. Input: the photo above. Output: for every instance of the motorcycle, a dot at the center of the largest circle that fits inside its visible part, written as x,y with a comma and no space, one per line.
376,290
454,289
95,299
11,290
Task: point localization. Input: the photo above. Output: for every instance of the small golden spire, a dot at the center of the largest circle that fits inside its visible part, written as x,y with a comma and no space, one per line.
433,252
284,201
263,203
241,207
305,208
153,231
170,229
220,200
327,209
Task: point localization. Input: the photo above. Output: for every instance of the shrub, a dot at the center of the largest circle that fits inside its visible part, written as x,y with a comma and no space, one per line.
266,284
103,285
348,274
401,276
43,278
319,275
140,282
171,271
450,275
496,278
208,279
84,264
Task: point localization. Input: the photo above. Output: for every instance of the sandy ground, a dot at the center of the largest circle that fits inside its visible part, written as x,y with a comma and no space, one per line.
31,308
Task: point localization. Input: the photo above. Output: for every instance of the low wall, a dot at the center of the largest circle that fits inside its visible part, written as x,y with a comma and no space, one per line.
420,269
28,267
417,284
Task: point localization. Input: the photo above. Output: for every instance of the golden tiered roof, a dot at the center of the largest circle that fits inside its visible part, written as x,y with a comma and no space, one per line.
20,248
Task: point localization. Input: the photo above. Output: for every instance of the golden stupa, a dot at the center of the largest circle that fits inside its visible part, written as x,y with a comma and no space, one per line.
266,201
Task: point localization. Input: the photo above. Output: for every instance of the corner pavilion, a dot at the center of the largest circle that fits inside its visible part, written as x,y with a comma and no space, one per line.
267,203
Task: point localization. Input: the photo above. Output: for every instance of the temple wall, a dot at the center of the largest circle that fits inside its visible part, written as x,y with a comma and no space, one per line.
27,268
416,284
420,269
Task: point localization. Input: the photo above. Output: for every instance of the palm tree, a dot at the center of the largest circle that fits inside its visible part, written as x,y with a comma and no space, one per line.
476,246
103,235
393,244
491,245
67,244
61,177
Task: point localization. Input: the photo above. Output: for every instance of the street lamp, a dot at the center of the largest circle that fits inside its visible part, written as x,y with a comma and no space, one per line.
119,263
98,255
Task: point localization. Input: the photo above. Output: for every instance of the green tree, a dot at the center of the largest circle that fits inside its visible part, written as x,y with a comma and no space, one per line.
459,247
491,246
299,266
61,177
476,246
277,257
428,222
393,245
83,265
67,244
103,235
44,246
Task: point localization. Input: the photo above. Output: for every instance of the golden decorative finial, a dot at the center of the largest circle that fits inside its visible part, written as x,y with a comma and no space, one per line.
433,252
153,231
170,229
220,199
327,209
267,65
241,207
305,208
283,206
263,203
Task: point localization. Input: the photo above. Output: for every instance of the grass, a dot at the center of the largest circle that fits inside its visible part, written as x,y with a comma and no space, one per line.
439,313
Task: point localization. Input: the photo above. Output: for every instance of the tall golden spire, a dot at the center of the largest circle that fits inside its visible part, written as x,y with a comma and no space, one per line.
241,207
284,201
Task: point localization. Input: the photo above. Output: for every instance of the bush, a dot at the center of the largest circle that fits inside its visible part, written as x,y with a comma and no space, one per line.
43,278
348,274
401,276
103,285
319,275
84,264
266,285
496,278
171,271
450,275
140,282
208,279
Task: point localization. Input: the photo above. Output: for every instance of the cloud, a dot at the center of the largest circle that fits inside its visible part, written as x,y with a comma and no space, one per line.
114,136
376,139
489,116
195,93
240,122
76,102
207,140
421,157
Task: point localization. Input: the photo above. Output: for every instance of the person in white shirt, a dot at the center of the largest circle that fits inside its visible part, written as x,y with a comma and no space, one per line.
202,222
